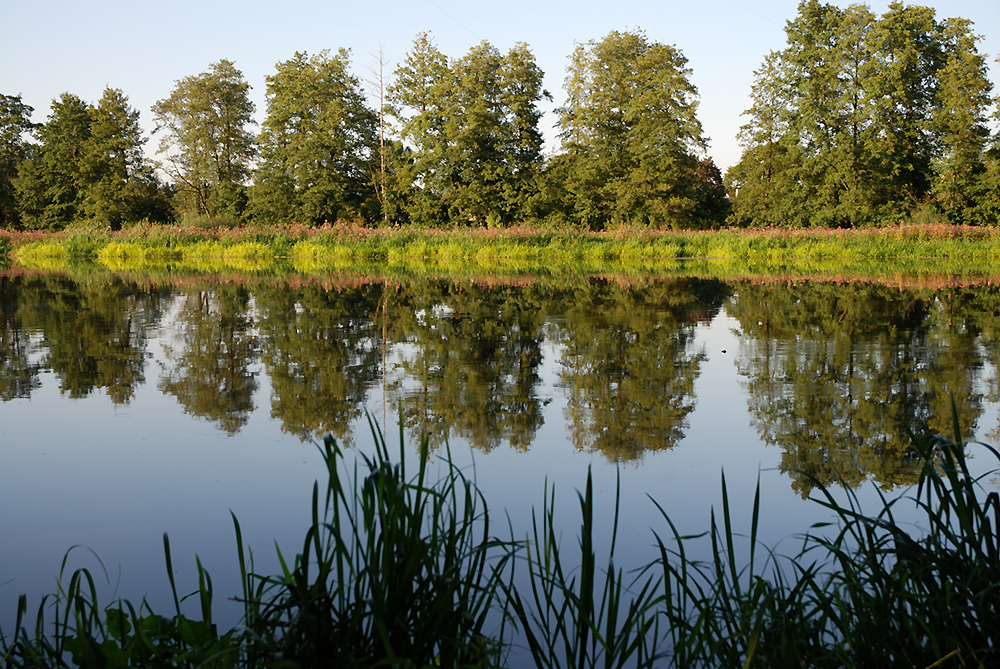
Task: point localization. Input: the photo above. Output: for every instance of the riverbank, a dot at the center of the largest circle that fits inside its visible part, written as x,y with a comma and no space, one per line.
304,249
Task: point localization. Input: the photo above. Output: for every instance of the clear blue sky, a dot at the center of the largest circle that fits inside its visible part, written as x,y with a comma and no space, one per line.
143,47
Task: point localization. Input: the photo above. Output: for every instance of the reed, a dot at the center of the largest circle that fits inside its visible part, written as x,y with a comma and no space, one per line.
399,569
873,592
395,570
578,612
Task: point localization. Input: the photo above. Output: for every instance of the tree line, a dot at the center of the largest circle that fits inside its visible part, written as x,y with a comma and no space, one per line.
864,119
860,120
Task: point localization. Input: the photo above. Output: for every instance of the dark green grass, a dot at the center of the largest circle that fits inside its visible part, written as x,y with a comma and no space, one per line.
399,570
513,249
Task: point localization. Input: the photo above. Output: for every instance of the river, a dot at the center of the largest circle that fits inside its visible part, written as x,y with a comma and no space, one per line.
135,406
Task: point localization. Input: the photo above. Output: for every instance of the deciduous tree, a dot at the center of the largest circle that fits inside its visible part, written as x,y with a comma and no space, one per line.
631,133
207,141
15,123
861,119
50,185
960,120
473,126
118,184
319,144
89,165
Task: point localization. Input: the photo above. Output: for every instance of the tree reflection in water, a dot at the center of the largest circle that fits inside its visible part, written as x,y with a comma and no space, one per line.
210,374
629,362
834,374
837,375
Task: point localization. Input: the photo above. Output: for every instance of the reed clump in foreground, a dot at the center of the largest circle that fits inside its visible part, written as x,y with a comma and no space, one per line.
398,570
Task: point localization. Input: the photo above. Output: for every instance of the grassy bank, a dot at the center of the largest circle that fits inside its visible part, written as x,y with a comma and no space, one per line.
399,570
338,247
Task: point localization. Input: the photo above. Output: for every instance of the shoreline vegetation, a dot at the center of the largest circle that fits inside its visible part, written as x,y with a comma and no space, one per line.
343,247
398,569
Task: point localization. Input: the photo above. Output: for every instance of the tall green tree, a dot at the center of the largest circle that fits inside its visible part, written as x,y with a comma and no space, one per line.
421,100
472,124
50,185
15,123
494,141
118,184
988,185
909,54
761,181
319,144
89,165
960,120
631,134
207,141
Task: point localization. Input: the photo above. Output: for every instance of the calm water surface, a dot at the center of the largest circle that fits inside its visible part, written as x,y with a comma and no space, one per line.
133,407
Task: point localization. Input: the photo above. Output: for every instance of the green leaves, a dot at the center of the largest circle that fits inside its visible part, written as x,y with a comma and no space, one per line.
319,144
473,123
862,118
631,136
89,165
207,145
14,150
115,173
49,186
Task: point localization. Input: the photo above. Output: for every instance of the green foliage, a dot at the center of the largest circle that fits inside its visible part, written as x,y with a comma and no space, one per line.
120,185
396,569
206,143
862,118
318,145
50,186
960,119
576,618
15,123
89,167
631,136
473,125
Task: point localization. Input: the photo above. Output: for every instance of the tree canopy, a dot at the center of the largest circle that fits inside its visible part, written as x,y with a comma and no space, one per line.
859,120
318,145
207,142
862,119
632,137
472,124
15,123
89,165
